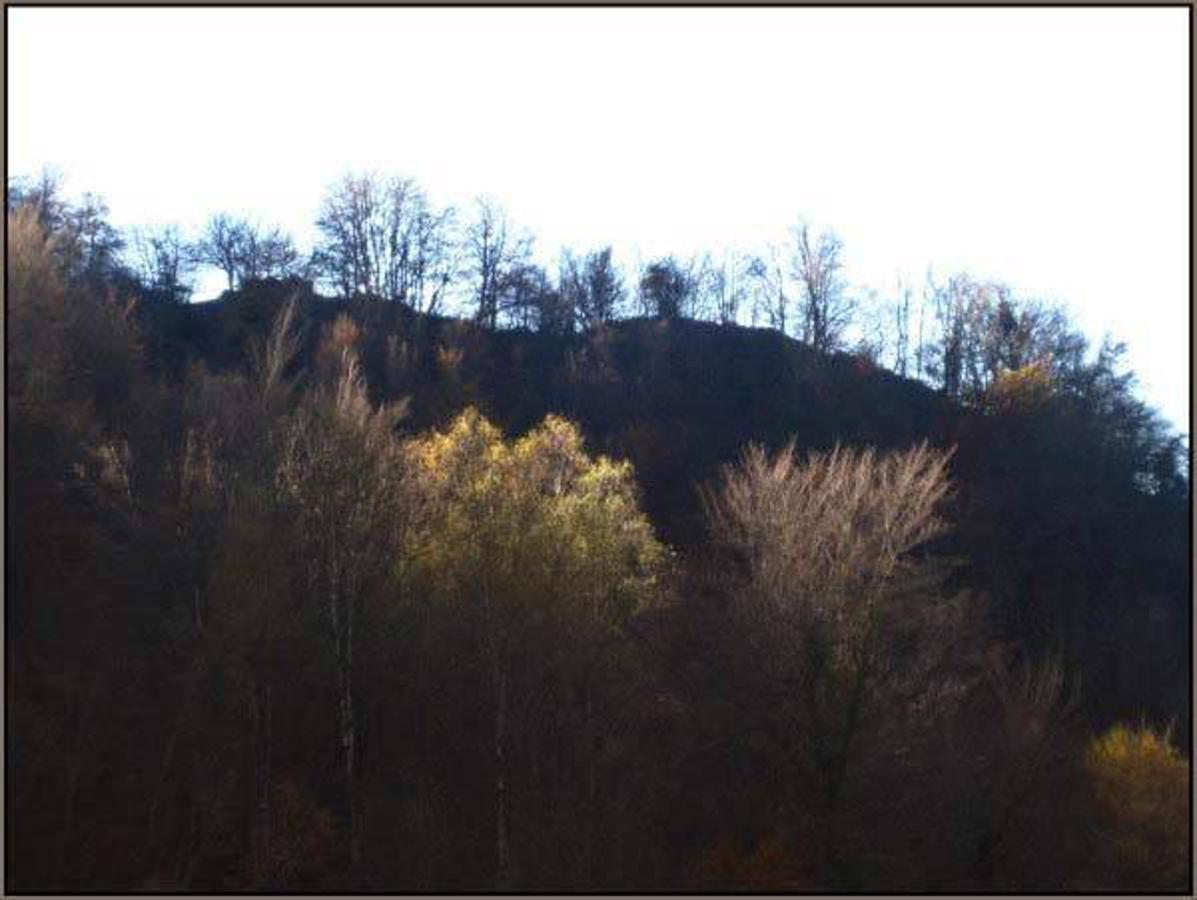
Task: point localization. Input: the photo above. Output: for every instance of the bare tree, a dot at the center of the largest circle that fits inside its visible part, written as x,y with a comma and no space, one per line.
844,631
381,238
164,261
726,287
984,331
267,253
592,287
825,309
572,286
873,327
902,330
531,301
922,348
497,253
220,246
432,254
339,474
766,281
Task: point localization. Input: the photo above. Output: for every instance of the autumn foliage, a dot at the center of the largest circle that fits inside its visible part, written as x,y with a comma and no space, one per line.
304,595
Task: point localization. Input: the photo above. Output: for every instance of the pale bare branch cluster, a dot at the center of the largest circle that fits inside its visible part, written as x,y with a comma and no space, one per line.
843,627
269,359
833,530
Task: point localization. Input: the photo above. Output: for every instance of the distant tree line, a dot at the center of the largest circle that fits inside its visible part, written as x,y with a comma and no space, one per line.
381,238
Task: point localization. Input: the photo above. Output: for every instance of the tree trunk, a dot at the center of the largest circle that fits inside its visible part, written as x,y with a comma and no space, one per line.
501,859
263,741
152,843
76,770
341,620
591,783
348,731
348,745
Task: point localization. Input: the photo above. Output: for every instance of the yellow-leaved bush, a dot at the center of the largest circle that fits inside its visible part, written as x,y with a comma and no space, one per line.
1020,390
1140,785
533,528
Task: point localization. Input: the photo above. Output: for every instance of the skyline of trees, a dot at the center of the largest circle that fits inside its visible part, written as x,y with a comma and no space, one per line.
381,237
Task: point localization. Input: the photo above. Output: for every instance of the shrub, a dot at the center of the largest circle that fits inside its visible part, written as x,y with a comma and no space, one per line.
1140,785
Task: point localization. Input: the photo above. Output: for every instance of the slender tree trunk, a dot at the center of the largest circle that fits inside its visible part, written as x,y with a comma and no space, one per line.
592,750
76,770
151,844
349,743
836,776
343,639
263,746
502,873
591,783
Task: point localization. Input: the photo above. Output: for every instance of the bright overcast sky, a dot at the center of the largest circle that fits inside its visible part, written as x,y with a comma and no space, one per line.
1048,148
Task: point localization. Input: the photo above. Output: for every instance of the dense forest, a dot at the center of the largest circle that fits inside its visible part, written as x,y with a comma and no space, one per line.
711,574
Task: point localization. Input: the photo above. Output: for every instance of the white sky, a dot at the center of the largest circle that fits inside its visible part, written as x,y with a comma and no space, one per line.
1047,148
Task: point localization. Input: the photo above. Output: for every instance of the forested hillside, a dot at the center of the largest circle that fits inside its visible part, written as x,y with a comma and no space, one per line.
598,588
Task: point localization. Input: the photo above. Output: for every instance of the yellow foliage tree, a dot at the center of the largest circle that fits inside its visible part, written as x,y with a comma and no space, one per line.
1020,390
1140,785
544,544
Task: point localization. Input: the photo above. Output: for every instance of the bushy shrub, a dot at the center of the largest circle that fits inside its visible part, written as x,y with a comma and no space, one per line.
1140,785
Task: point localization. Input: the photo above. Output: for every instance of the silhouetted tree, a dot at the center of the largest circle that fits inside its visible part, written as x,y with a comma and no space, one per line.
379,237
243,251
665,289
902,313
164,262
985,330
531,301
726,286
44,194
592,287
96,242
766,278
86,242
496,258
824,310
220,246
